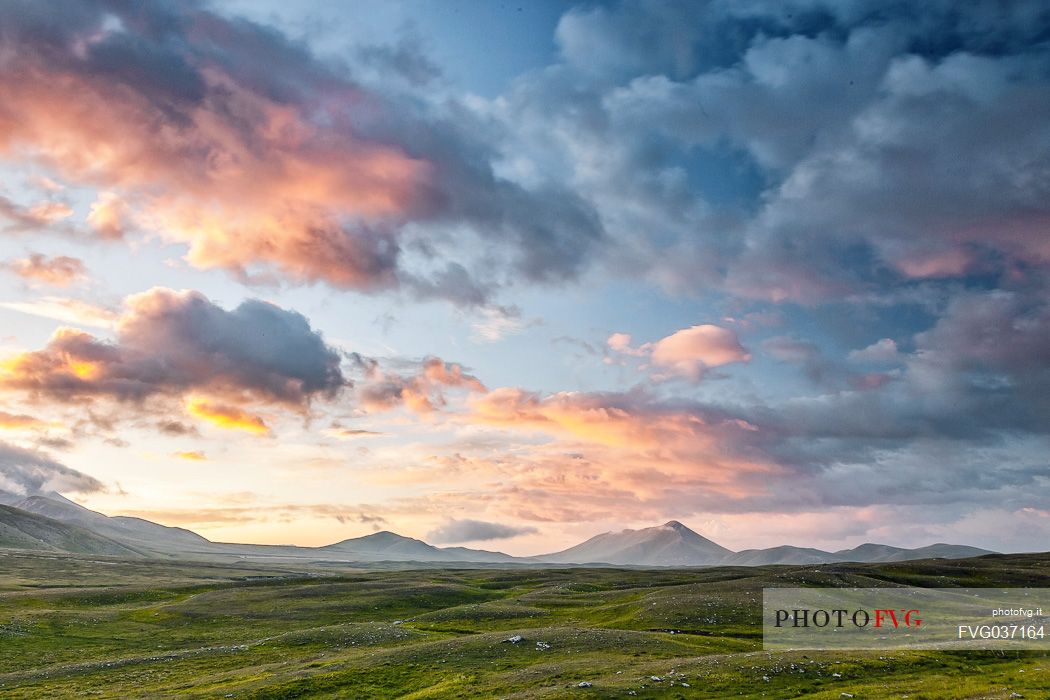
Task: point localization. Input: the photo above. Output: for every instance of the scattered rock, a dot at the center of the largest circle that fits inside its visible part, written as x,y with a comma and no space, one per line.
845,695
514,640
656,679
583,684
543,646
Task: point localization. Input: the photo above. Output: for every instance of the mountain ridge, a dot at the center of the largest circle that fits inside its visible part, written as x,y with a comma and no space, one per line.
672,544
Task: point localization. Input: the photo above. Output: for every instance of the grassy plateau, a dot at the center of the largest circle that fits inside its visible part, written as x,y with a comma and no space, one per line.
102,627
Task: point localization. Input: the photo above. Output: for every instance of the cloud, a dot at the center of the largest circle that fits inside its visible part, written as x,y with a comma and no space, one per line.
350,433
807,355
179,345
624,420
422,393
175,428
34,217
620,342
252,512
855,446
883,351
226,416
26,473
191,455
264,160
172,342
688,353
19,421
801,153
109,216
455,531
73,311
59,271
496,323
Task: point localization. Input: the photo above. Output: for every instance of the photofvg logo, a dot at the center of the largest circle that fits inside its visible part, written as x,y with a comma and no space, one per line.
905,617
840,617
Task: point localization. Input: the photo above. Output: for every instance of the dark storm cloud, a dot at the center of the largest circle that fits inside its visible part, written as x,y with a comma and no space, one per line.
173,343
25,473
889,142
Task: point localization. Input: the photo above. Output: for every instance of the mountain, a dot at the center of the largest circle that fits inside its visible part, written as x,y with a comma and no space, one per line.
22,530
933,551
674,544
132,530
390,546
784,554
51,522
869,553
670,544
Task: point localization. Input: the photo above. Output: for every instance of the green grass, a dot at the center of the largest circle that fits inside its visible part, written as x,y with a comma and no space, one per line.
78,626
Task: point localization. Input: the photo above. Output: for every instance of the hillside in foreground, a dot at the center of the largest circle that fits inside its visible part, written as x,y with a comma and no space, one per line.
78,626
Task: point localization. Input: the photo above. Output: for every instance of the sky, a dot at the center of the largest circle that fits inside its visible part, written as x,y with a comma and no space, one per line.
511,274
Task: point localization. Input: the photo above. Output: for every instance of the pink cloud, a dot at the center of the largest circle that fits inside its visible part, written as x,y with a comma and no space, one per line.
243,177
688,352
421,393
59,271
951,262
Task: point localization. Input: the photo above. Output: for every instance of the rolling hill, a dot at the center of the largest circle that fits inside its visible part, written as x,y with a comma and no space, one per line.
22,530
136,531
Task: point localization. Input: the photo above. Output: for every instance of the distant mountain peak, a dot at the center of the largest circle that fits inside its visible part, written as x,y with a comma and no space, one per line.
670,544
385,535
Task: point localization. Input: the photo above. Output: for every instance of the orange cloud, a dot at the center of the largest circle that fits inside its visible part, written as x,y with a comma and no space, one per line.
607,419
73,360
109,215
18,421
59,271
226,416
192,455
177,347
241,176
169,343
628,444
